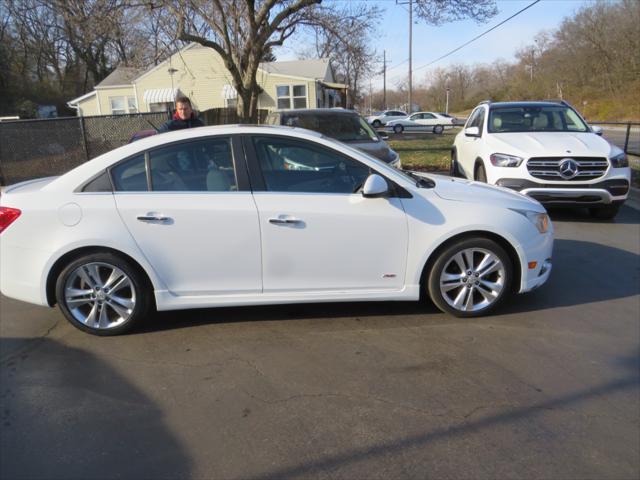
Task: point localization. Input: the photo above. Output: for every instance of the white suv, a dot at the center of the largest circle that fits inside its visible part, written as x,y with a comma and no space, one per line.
545,150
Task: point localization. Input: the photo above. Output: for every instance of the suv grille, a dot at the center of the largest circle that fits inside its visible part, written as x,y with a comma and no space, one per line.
548,168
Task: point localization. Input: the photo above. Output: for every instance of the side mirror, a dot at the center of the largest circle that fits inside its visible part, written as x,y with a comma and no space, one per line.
472,132
597,130
375,186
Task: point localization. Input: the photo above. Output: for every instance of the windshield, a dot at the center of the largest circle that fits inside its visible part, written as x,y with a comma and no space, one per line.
535,118
346,128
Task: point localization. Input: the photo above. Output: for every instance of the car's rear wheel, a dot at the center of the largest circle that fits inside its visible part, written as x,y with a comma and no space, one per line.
398,128
377,123
481,174
606,212
470,278
102,294
438,129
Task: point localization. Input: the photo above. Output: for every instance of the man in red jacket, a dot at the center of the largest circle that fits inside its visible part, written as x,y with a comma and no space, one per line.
183,118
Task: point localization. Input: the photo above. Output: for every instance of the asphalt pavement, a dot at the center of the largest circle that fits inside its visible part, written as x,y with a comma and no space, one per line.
549,387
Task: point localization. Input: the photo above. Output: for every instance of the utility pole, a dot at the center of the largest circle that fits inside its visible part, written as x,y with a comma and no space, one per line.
446,108
410,49
384,79
370,98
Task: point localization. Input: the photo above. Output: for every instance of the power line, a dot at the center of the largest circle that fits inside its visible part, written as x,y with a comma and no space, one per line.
476,38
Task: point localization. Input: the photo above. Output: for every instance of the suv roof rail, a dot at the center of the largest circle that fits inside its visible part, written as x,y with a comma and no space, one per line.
484,101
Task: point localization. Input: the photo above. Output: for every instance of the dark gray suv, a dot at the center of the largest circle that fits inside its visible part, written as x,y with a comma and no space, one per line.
344,125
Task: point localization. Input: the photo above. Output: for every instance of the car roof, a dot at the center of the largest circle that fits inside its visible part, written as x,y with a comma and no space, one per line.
316,111
524,104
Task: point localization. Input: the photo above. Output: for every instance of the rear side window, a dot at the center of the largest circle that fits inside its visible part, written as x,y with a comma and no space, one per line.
130,175
199,166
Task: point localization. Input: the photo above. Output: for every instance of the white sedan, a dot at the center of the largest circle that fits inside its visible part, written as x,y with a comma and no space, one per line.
422,122
216,216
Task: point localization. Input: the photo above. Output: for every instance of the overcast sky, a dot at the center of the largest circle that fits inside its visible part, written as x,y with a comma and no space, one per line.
429,42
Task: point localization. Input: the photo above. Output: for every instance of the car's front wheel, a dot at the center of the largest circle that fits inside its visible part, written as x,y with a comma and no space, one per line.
470,278
377,123
398,128
454,170
481,174
605,212
102,294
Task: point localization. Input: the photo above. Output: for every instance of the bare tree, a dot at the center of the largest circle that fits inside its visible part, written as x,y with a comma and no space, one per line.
438,12
241,32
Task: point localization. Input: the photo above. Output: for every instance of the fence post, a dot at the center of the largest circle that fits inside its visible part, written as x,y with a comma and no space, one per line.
626,138
84,139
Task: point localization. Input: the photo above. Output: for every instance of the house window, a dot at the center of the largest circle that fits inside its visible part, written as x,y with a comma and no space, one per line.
161,107
121,105
292,96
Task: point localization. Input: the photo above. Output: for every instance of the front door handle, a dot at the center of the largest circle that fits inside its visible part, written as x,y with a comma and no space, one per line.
153,217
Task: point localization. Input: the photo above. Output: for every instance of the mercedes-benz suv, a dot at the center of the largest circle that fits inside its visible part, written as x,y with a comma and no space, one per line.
545,150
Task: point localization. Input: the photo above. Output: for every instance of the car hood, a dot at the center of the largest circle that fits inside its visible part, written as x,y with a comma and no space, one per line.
551,144
462,190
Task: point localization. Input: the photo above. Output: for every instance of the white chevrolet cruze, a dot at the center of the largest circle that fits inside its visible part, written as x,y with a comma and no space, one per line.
240,215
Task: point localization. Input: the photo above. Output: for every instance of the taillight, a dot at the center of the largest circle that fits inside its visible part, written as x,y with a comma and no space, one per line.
8,215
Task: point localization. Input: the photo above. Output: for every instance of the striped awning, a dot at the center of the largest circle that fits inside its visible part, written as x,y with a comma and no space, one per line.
228,92
160,95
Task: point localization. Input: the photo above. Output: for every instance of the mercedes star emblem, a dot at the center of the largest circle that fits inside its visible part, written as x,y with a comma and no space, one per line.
568,168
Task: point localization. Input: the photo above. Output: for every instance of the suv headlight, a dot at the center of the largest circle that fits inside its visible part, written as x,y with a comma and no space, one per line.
540,220
619,161
503,160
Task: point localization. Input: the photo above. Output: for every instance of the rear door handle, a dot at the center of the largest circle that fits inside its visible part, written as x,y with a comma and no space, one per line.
285,221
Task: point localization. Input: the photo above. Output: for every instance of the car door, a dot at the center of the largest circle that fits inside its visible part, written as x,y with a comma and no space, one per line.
428,119
317,234
190,210
468,148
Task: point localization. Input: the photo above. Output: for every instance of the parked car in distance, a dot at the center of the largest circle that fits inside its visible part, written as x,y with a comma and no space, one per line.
215,216
341,124
454,120
545,150
421,122
379,119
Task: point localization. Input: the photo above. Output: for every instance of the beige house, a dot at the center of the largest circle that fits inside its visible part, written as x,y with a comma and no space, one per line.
199,73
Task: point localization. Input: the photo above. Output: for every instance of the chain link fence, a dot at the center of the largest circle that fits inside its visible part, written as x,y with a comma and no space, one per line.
40,148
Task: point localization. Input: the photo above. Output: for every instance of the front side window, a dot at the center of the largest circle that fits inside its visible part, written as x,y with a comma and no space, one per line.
291,96
199,166
478,120
535,118
294,166
428,116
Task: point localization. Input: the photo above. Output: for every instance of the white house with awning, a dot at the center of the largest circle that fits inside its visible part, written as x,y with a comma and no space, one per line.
199,73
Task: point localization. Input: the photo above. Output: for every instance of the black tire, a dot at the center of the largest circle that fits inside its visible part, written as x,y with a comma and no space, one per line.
398,128
454,169
106,313
443,261
481,174
438,129
606,212
376,123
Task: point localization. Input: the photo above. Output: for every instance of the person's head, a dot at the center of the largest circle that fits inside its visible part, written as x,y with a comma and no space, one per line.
183,108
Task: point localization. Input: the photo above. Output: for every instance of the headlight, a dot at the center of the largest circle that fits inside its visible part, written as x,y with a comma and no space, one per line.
619,161
540,220
502,160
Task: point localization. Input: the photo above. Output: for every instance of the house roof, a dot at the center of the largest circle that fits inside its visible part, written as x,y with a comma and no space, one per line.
120,76
317,68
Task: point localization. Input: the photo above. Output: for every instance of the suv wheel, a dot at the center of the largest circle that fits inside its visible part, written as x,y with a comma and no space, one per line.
454,170
606,212
481,174
102,294
470,277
